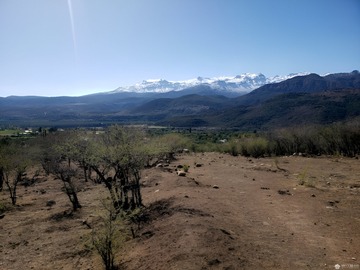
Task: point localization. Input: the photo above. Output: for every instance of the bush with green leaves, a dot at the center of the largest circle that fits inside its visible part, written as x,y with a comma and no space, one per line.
255,147
107,237
233,147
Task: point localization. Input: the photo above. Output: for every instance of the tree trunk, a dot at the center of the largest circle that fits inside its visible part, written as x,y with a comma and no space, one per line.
137,190
12,187
1,179
75,201
70,191
89,173
85,172
109,185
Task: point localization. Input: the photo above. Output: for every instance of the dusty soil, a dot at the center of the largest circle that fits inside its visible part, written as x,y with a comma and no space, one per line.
226,213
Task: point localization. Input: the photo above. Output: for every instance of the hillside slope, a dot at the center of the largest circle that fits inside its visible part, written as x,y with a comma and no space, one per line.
311,83
245,223
284,110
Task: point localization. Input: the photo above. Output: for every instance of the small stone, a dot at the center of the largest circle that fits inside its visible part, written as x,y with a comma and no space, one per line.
84,222
214,262
181,173
331,203
313,195
215,186
284,192
50,203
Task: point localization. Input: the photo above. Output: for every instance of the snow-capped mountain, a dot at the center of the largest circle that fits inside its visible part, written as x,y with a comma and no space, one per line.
243,83
278,78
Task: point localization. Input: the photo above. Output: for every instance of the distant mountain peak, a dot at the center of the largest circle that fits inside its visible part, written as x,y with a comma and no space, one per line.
241,84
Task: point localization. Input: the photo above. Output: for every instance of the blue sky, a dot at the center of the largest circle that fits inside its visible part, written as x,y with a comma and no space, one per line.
102,44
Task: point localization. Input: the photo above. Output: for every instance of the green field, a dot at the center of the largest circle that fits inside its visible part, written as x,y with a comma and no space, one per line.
9,132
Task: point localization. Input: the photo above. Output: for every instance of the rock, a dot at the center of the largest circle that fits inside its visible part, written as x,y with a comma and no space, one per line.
313,195
198,165
2,216
284,192
181,173
84,222
50,203
331,203
225,232
215,186
214,262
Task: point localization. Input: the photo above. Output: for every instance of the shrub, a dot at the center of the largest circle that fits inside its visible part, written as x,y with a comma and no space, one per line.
186,168
4,207
255,147
233,148
107,239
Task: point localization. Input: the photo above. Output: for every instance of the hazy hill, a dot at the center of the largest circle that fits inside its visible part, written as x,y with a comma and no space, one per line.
185,105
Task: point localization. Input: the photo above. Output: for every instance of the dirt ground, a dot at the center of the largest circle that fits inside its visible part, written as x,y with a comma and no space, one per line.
226,213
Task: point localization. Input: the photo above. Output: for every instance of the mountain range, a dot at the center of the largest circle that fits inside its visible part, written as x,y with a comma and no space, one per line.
226,85
217,102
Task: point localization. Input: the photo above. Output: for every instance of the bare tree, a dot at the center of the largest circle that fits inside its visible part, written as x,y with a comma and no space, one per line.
118,160
67,174
117,157
56,158
3,144
15,159
1,178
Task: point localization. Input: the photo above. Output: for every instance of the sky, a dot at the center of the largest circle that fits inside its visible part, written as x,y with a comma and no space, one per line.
78,47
